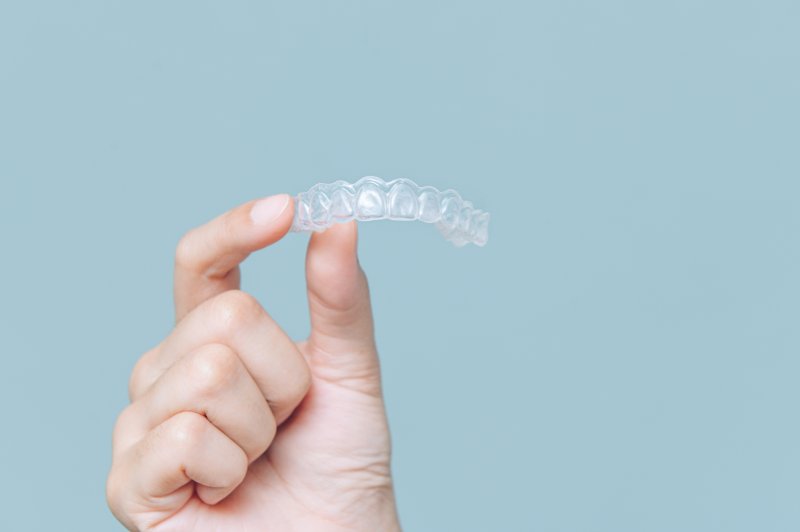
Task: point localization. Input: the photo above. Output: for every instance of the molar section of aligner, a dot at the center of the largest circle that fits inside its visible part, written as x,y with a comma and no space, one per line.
370,199
460,235
451,208
343,199
430,205
479,228
403,203
458,239
302,213
465,218
319,203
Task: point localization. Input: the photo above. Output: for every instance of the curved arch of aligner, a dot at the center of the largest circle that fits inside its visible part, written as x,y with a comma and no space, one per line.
372,198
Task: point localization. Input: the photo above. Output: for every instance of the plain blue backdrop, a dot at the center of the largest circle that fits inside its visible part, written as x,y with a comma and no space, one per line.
622,356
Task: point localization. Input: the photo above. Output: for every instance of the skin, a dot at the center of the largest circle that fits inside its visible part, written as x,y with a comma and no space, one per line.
232,425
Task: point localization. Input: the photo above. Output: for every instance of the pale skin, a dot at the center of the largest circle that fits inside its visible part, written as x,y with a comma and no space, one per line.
232,425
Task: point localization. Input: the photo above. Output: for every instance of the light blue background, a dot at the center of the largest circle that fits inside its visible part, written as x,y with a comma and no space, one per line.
622,356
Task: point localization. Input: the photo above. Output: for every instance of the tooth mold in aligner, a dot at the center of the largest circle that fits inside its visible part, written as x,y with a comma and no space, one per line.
372,198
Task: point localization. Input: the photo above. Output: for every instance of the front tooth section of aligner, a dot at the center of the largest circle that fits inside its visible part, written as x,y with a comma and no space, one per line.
343,200
371,200
403,203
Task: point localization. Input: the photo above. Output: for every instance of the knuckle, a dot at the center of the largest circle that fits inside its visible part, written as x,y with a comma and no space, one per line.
135,383
212,369
186,429
236,309
185,250
140,375
228,225
116,498
125,422
113,490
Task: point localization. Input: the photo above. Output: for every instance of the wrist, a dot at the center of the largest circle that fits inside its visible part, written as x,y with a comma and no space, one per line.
376,512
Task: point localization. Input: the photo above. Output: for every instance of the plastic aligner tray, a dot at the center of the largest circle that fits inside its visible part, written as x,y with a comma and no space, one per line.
372,198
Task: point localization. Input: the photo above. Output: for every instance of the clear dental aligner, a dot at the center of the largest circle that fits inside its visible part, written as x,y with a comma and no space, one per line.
372,198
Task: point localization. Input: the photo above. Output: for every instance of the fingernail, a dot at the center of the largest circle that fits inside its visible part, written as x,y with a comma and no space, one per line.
266,210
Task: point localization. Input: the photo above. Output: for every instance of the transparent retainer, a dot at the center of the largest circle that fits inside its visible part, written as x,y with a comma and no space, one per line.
372,198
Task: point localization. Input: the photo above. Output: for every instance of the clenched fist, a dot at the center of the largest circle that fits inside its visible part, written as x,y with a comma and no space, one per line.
232,425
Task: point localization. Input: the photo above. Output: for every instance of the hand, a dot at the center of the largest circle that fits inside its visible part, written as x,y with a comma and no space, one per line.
232,426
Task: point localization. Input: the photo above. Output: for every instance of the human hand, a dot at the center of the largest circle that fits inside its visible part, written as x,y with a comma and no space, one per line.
233,426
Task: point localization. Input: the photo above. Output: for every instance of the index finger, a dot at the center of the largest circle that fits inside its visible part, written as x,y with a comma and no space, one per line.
207,258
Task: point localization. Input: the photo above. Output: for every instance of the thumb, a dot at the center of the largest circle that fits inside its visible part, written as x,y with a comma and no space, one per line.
342,338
